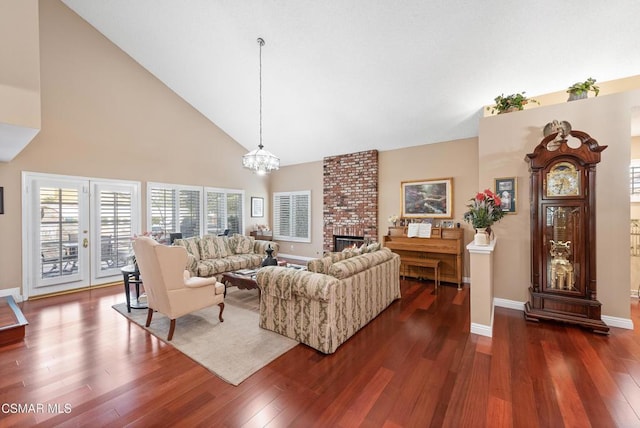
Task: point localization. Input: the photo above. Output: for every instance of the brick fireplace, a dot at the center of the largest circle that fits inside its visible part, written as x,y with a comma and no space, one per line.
350,206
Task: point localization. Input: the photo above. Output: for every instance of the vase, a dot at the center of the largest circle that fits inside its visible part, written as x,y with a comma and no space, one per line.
510,109
481,237
578,95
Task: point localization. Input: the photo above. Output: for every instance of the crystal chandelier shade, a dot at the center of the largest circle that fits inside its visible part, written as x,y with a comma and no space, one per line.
260,160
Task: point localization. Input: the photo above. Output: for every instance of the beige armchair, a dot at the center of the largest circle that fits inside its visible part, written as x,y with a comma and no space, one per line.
170,288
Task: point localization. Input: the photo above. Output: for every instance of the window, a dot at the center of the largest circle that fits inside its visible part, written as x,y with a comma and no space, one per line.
173,208
634,180
292,216
224,210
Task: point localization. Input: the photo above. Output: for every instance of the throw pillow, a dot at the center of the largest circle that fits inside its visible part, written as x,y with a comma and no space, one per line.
244,244
212,247
373,247
191,244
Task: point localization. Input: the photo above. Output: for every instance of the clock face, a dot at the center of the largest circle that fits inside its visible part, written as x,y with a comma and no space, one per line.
563,179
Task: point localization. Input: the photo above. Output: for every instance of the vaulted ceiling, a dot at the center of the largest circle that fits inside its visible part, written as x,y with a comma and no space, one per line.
344,76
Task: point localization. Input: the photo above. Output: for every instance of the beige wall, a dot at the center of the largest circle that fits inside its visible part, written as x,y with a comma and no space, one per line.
457,159
504,142
104,116
20,70
306,176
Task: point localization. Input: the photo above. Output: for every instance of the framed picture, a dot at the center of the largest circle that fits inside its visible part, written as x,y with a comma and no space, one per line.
427,198
507,189
257,207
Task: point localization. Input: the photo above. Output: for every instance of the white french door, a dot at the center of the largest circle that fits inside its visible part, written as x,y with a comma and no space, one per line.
77,231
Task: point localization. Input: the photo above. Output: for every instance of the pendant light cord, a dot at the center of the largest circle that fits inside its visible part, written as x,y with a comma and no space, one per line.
261,43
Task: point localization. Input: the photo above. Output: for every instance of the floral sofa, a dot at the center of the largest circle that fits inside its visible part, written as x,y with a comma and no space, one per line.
214,255
329,302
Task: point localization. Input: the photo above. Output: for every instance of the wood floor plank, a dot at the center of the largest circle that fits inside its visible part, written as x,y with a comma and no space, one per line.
416,364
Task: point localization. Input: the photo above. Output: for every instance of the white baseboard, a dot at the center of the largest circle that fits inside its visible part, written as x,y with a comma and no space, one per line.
294,257
15,292
617,322
608,320
481,329
509,304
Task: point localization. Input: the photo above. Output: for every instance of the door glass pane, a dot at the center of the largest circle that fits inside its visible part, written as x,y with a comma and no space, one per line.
116,229
59,231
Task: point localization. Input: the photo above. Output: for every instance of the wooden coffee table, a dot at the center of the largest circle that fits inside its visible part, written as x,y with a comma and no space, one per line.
243,282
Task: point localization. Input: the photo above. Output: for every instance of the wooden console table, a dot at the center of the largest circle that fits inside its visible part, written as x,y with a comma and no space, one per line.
262,236
445,246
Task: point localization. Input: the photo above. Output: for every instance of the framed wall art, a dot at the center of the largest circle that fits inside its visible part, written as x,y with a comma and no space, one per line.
427,198
257,207
507,188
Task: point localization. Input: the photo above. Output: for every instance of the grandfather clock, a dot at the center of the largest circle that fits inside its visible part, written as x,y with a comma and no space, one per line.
563,231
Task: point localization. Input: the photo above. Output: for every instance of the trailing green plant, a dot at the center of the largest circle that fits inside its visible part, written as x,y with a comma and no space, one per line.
510,102
584,87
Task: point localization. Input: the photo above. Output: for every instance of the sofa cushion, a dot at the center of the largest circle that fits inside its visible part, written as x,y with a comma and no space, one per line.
350,266
359,263
320,265
210,267
243,244
284,282
191,244
213,247
373,247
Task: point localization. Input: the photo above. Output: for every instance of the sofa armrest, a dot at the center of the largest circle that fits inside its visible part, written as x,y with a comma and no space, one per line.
284,282
260,247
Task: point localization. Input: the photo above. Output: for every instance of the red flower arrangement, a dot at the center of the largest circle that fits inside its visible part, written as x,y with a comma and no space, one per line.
484,210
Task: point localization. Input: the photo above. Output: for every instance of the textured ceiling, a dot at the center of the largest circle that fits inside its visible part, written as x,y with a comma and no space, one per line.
344,76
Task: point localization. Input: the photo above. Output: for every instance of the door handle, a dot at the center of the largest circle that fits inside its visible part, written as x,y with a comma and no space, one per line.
85,243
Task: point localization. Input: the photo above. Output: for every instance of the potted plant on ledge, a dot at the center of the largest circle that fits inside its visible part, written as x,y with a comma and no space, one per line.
484,210
580,90
509,103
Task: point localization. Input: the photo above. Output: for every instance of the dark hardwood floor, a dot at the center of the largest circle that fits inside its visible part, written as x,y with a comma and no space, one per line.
414,365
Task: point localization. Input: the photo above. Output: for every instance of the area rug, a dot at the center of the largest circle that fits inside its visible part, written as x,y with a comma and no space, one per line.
234,349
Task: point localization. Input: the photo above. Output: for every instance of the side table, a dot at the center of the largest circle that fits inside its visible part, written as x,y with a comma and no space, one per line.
131,275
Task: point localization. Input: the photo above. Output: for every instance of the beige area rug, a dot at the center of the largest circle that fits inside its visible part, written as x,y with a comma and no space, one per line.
234,349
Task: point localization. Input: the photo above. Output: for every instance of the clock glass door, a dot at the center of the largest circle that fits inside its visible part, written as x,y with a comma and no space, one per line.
562,237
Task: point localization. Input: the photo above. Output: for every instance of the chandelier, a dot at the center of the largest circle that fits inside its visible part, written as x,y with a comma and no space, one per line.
260,161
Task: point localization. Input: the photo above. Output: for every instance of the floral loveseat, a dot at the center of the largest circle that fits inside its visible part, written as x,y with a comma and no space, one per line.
214,255
327,304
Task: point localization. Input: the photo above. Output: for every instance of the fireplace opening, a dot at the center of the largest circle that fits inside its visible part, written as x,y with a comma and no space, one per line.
340,242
